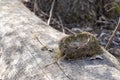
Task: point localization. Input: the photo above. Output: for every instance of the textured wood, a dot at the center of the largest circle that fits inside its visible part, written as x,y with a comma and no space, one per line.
21,57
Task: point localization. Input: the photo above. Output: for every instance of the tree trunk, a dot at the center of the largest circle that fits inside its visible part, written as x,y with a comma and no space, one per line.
23,35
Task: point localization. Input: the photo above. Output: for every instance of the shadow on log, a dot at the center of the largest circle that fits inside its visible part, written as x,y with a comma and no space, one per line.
21,57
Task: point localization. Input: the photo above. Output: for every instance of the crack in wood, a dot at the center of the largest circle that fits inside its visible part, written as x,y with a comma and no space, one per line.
36,61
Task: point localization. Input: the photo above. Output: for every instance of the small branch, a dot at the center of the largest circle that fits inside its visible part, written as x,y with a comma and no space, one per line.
38,39
50,15
113,34
35,6
108,5
63,29
70,31
54,20
110,9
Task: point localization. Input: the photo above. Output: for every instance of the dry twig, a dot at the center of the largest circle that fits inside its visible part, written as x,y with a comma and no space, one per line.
63,29
35,6
36,37
113,34
50,15
54,20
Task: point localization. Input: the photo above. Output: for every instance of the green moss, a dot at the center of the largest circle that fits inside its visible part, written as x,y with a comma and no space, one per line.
112,9
58,54
117,8
82,45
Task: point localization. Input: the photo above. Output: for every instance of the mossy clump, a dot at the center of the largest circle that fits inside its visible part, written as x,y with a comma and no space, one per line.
117,9
77,46
112,9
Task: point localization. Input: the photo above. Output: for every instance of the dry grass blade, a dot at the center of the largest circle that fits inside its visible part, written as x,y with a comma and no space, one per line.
35,6
54,20
50,15
63,29
113,34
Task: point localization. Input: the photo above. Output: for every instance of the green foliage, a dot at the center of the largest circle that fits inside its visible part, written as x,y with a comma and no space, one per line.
117,8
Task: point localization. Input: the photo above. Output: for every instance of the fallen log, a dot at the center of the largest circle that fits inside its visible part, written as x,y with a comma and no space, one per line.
22,37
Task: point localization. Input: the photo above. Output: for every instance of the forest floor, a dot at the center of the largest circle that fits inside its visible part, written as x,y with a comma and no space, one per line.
103,29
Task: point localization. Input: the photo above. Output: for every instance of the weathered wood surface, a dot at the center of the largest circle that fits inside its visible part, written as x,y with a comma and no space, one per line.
21,57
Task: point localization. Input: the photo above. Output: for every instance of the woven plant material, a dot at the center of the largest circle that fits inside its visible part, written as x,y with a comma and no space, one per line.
77,46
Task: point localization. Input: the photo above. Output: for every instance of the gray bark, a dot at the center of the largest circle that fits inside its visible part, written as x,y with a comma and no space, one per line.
21,57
